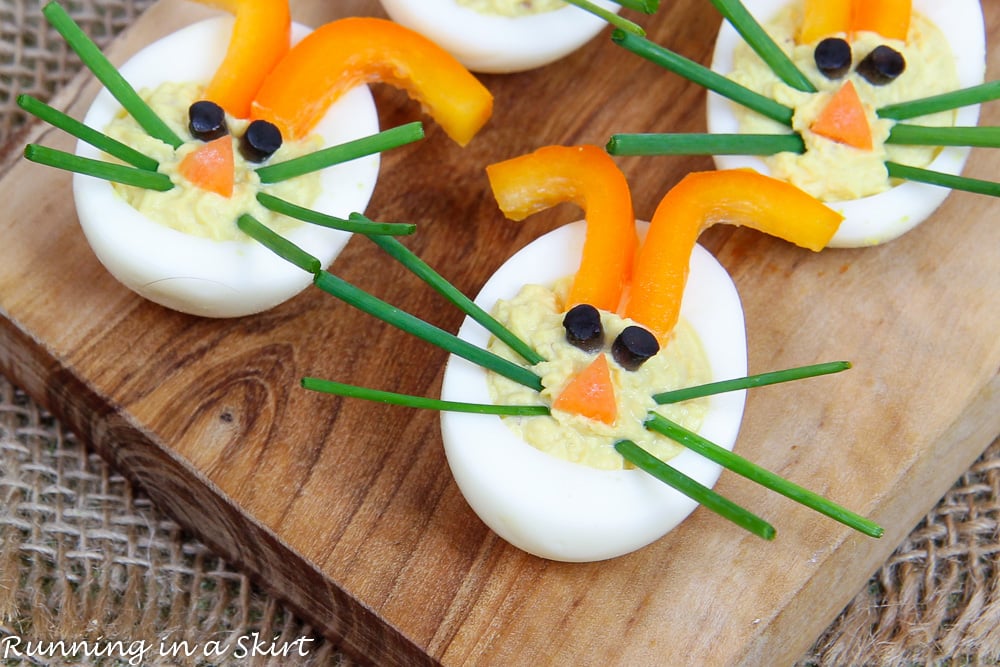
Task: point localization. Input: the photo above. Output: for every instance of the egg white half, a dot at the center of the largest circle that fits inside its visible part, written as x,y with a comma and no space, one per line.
887,215
499,44
566,511
197,275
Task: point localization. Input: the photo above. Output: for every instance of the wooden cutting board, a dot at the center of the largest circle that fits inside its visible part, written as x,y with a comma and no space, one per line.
347,509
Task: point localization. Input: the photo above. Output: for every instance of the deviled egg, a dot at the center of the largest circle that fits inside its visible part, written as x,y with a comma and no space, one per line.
570,511
217,275
500,36
944,50
617,312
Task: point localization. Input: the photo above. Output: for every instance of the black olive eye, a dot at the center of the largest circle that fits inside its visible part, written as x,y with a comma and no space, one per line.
882,65
583,328
833,57
633,347
207,121
260,141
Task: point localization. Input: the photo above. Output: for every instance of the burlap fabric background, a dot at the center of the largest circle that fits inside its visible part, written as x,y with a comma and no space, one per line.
83,553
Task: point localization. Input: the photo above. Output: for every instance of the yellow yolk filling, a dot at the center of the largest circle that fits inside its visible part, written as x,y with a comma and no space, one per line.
190,209
512,8
829,170
535,315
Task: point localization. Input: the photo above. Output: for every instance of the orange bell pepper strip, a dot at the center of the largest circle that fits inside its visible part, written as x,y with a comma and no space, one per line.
844,120
700,200
587,176
348,52
889,18
825,18
211,166
261,37
591,393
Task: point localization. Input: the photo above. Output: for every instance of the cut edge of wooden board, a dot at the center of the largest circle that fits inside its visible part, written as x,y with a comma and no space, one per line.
969,435
198,505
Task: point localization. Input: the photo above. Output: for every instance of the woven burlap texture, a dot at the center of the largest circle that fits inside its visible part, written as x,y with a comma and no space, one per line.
85,557
35,60
84,554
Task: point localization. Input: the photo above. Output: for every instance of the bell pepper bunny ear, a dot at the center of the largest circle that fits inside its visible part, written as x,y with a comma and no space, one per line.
827,18
700,200
349,52
260,38
587,176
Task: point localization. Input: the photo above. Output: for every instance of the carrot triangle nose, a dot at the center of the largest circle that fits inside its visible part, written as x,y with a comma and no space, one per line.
590,394
844,119
211,166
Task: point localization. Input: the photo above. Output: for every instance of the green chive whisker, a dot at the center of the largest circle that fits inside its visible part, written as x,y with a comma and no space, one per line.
91,56
75,128
751,381
703,76
109,171
925,135
755,473
771,144
345,152
685,143
374,306
380,233
417,327
354,225
278,244
698,492
619,22
757,38
955,99
942,179
420,402
422,270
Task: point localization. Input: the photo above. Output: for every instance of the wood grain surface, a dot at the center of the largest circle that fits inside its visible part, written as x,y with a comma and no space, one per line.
347,508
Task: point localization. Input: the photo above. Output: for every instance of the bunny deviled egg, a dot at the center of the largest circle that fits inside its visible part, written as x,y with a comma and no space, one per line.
866,62
182,248
572,498
501,36
667,317
237,122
